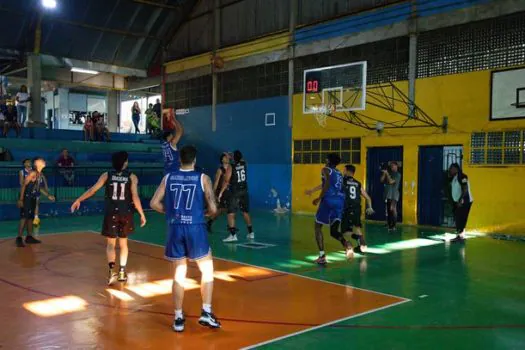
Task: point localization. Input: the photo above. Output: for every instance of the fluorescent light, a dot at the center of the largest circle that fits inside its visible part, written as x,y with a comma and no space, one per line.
85,71
49,4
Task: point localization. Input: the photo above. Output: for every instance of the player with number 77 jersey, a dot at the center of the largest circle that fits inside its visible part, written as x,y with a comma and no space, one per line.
121,199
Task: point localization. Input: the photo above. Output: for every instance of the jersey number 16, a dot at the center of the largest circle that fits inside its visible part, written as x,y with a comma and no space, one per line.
241,175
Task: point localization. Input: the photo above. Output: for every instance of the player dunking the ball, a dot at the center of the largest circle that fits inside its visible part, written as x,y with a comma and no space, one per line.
351,221
28,200
331,204
121,198
169,148
182,196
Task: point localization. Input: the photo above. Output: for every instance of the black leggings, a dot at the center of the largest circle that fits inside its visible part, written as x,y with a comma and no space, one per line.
461,216
391,209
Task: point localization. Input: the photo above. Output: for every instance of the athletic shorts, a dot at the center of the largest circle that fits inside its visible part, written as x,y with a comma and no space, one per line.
330,210
351,219
238,200
224,202
118,225
187,242
28,211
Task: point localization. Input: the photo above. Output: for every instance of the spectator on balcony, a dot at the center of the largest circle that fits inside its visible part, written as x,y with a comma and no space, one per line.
3,111
65,164
88,128
101,129
11,121
22,98
135,116
158,109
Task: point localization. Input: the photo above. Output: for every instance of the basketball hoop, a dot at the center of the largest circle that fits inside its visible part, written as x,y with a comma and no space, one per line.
324,112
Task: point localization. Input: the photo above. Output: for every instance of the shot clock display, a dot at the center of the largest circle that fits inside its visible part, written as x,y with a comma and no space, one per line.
312,83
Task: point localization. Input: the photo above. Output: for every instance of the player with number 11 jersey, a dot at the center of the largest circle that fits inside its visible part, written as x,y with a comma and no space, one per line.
121,199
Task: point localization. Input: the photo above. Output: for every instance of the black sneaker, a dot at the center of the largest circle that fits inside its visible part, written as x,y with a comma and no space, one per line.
458,239
32,240
209,320
178,324
19,242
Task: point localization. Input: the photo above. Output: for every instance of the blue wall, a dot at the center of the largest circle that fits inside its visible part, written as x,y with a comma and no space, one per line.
241,125
378,18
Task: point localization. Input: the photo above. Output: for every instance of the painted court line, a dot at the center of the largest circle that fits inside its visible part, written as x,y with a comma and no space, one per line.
290,273
324,325
404,300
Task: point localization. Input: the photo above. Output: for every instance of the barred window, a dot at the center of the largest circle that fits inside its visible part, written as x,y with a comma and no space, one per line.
473,46
316,151
497,148
189,93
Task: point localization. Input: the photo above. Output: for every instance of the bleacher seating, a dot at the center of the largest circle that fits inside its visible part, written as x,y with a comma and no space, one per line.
91,158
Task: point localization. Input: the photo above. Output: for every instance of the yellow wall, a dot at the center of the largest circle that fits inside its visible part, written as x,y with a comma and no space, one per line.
499,192
265,44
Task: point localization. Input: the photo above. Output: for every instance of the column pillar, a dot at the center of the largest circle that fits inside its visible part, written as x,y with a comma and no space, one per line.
291,56
34,78
113,98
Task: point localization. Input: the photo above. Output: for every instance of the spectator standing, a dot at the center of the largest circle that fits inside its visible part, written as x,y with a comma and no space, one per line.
65,164
11,121
135,116
158,109
392,180
22,98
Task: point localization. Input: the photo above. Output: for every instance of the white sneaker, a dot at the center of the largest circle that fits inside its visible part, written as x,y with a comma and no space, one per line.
250,235
230,238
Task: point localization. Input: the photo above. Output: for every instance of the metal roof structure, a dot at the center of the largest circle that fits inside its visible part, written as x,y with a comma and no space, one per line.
123,33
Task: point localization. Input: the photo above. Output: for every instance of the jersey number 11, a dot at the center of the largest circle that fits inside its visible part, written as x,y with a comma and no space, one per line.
115,195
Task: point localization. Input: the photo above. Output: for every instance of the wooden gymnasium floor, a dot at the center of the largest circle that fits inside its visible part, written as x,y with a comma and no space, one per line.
54,296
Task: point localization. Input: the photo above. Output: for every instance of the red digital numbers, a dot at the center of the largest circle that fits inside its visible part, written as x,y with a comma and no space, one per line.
312,86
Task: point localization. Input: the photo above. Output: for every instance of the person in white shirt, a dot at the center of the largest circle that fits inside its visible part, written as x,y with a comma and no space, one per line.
22,98
462,198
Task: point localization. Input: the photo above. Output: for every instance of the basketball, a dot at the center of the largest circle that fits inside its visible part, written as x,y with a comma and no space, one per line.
217,62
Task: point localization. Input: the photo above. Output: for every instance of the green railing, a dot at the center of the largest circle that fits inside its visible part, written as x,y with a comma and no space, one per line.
66,187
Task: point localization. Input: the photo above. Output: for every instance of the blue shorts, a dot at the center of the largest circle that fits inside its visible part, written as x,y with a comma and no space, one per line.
330,210
187,242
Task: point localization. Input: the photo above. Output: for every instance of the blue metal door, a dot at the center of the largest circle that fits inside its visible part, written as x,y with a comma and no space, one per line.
374,187
431,194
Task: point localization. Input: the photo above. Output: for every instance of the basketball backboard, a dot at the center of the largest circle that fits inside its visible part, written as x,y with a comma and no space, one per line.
508,94
343,87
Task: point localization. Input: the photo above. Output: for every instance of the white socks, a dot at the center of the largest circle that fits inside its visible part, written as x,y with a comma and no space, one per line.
206,307
178,313
321,253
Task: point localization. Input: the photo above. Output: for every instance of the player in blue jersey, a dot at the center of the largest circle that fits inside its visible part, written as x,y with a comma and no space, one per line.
169,148
182,196
28,200
331,204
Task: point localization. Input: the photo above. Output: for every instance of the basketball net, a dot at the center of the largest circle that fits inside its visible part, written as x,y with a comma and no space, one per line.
323,113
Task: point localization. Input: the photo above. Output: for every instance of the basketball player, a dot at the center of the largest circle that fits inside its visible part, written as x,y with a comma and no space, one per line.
121,195
218,187
351,222
169,147
237,180
22,174
27,202
182,195
331,203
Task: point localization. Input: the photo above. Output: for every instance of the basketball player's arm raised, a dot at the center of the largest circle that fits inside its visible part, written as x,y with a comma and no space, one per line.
325,186
136,199
156,202
179,131
89,193
210,196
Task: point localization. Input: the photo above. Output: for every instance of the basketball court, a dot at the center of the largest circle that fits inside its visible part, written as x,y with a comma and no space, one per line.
273,297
